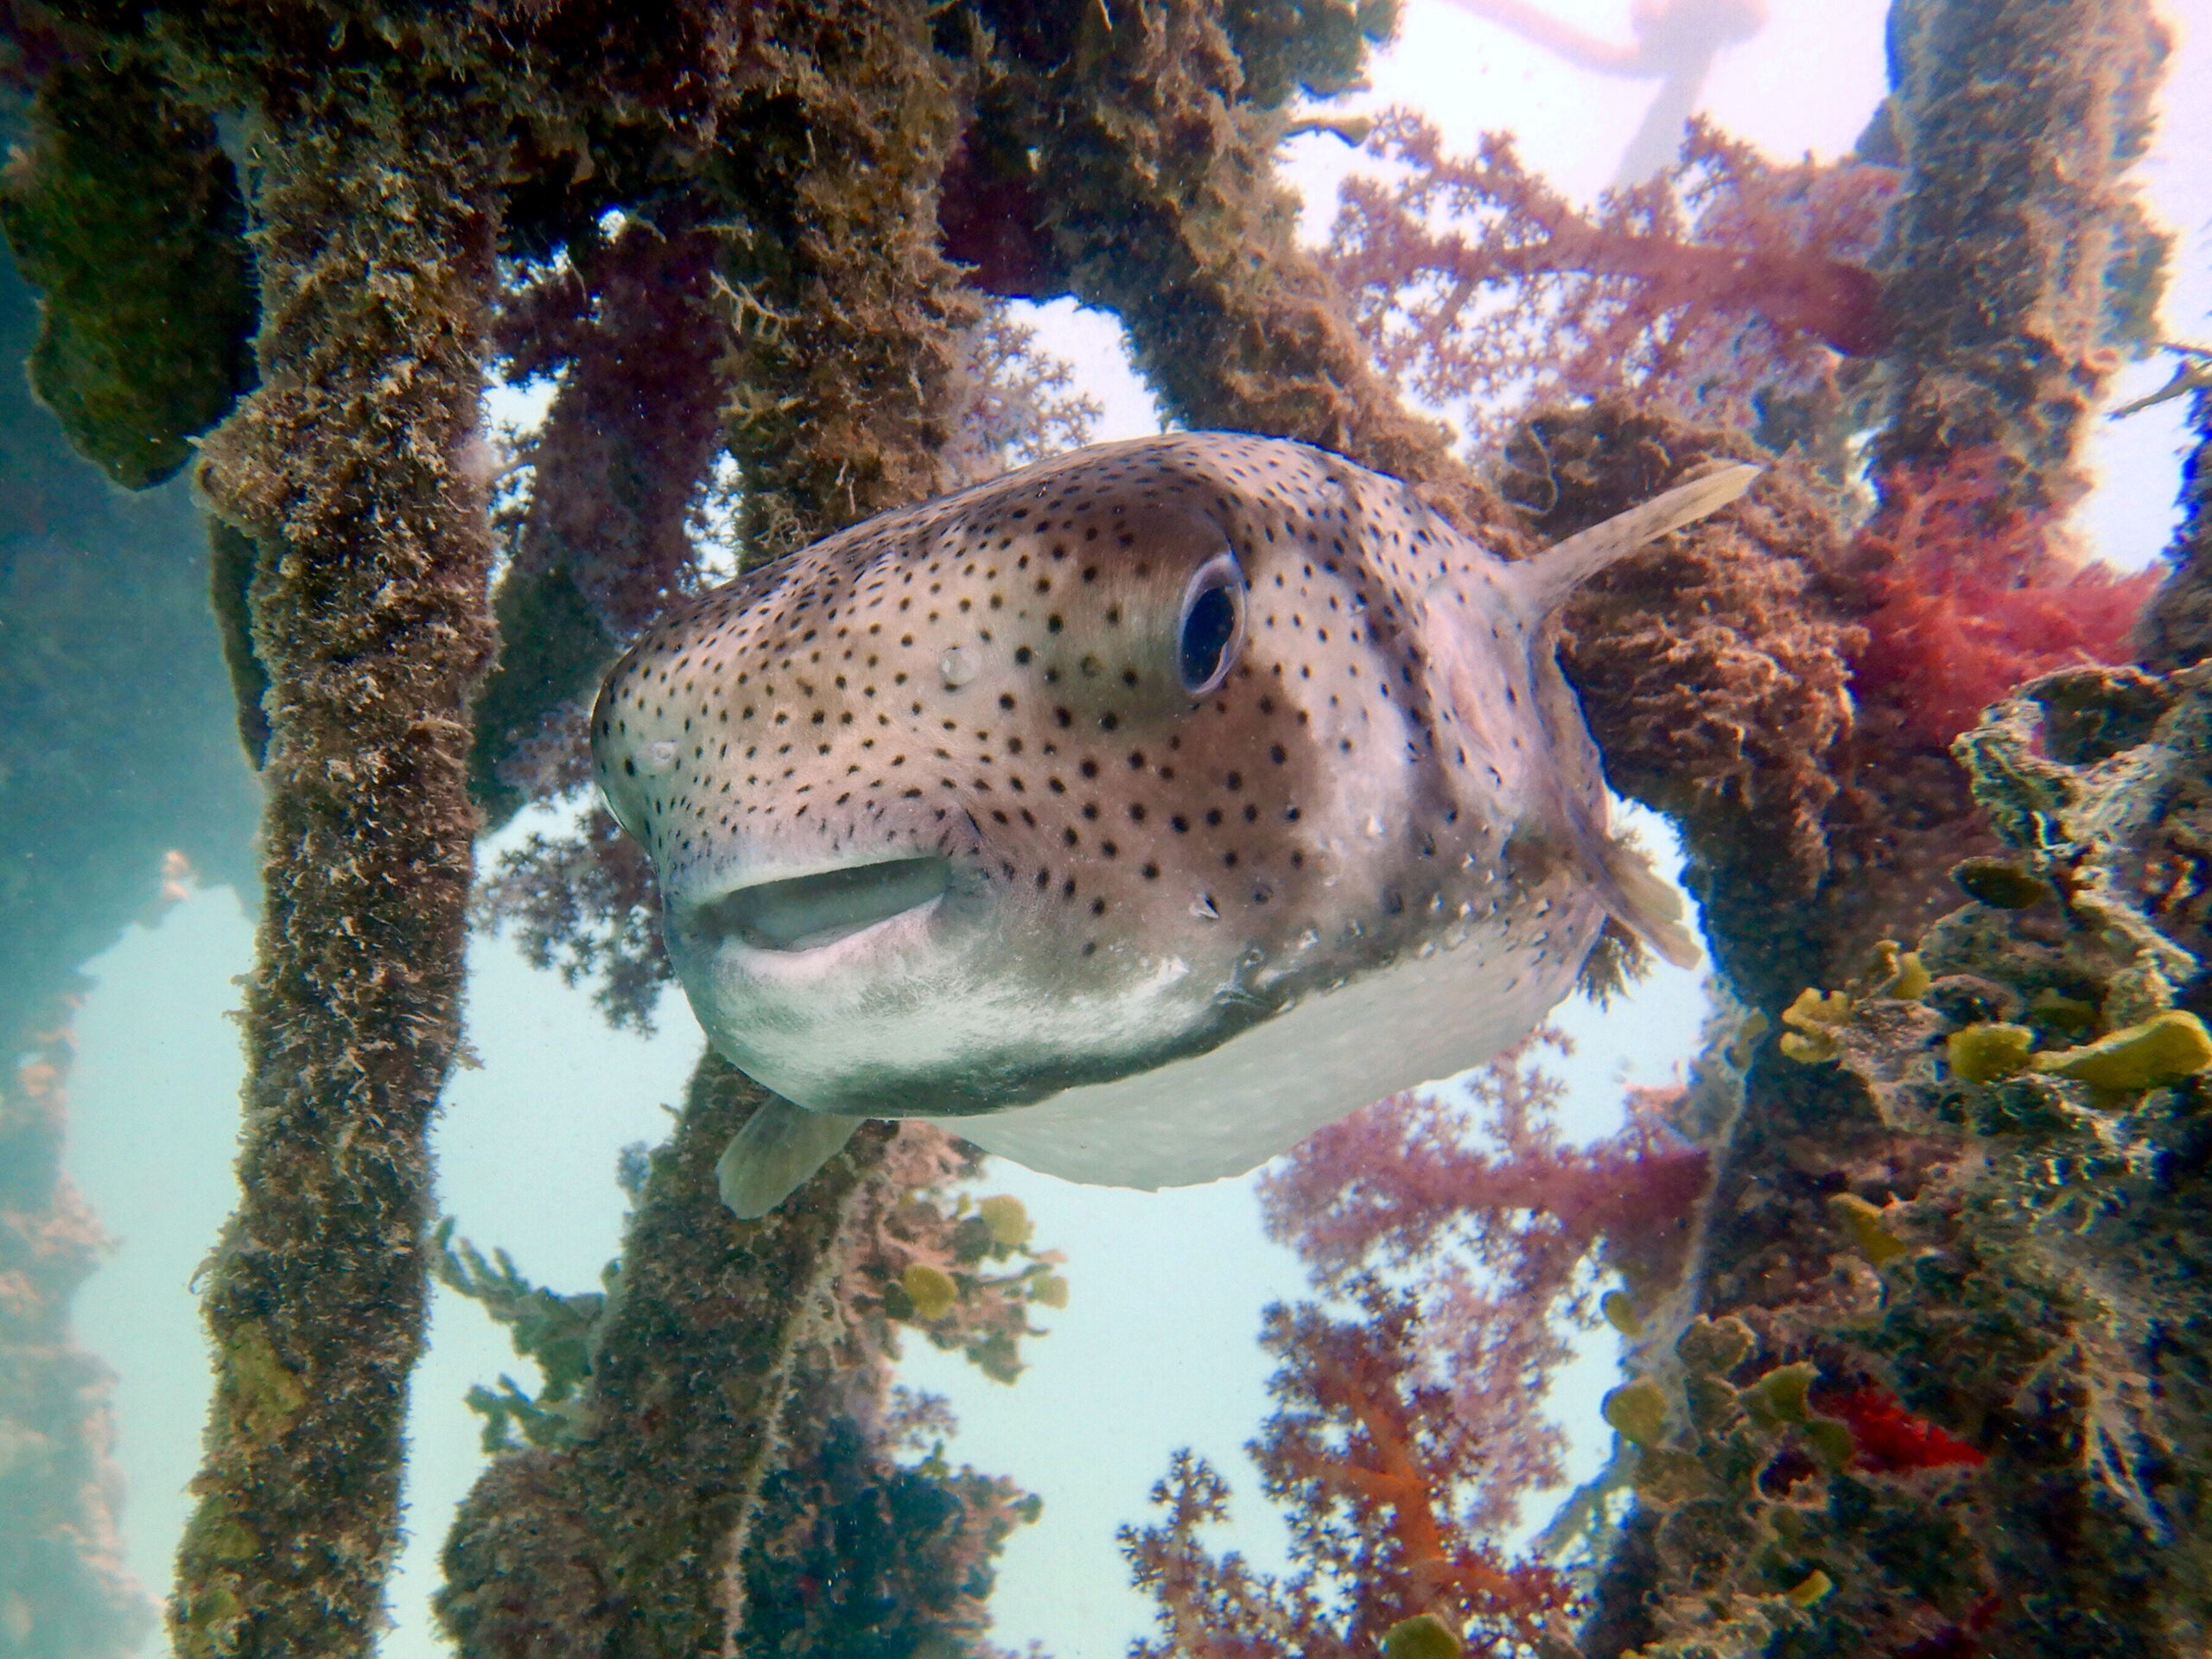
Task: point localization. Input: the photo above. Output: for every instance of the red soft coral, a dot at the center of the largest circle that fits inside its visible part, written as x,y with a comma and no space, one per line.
1888,1438
1709,291
1971,597
1451,1234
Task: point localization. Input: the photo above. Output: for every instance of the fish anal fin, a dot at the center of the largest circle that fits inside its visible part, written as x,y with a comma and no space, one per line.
775,1152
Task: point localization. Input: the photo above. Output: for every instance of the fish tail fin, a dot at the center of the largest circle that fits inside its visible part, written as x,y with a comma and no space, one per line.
1553,575
779,1148
1635,896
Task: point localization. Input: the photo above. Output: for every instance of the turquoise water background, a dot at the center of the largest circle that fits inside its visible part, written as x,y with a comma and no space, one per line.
1155,1348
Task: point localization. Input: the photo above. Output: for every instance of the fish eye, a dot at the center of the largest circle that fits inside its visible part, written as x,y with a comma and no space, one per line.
1212,625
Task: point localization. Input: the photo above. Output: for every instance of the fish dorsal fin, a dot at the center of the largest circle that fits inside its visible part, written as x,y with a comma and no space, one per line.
779,1147
1548,579
1535,768
1624,882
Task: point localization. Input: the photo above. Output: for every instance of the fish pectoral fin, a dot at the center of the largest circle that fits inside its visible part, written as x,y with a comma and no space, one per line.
780,1146
1635,896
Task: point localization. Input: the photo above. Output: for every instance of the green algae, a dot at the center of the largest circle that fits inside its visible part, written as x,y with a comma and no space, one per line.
2000,882
1636,1411
1779,1397
125,213
1422,1636
1984,1053
2162,1049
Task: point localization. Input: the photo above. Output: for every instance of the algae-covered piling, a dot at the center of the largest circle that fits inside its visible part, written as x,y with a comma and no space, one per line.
360,470
731,225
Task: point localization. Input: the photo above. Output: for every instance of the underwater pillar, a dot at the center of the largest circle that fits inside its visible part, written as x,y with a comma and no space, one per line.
632,1537
1167,212
2176,628
360,470
2020,255
629,1538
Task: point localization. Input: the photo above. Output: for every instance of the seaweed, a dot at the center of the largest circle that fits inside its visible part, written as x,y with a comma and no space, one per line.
757,240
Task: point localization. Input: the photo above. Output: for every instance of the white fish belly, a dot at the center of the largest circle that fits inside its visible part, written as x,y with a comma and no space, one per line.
1233,1107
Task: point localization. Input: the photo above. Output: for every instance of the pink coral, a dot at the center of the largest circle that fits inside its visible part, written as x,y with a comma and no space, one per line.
1971,597
1492,1240
1451,1234
624,459
909,1219
586,903
1482,288
1372,1461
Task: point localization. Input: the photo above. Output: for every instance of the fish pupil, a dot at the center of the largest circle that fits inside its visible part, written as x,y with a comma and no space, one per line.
1212,620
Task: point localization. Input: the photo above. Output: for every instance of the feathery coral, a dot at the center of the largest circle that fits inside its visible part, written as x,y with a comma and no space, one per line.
1972,597
1728,284
1409,1422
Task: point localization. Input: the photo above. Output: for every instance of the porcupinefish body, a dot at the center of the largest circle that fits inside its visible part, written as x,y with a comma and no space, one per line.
1134,814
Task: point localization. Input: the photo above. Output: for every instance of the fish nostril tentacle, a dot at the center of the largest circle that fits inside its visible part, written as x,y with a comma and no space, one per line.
806,913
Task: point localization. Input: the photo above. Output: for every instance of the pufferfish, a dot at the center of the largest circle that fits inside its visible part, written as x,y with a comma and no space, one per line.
1133,815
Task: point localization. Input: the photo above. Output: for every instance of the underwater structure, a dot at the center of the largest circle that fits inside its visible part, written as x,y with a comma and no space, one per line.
1910,1269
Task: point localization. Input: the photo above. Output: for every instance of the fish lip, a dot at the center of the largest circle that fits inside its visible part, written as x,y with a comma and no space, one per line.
791,916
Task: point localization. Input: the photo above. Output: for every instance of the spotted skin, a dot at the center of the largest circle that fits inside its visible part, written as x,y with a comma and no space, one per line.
1140,918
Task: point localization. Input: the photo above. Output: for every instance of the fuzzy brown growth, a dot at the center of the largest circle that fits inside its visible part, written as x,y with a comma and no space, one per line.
731,1450
688,1378
2049,1233
1167,212
1712,666
358,469
126,214
845,312
2020,255
623,460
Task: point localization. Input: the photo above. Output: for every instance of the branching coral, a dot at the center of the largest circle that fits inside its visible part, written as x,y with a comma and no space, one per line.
1972,597
1121,153
1013,401
63,1588
586,904
621,464
1371,1458
1398,1186
1407,1434
1728,285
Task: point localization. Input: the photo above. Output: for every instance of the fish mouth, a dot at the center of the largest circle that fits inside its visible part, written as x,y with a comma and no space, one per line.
806,913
